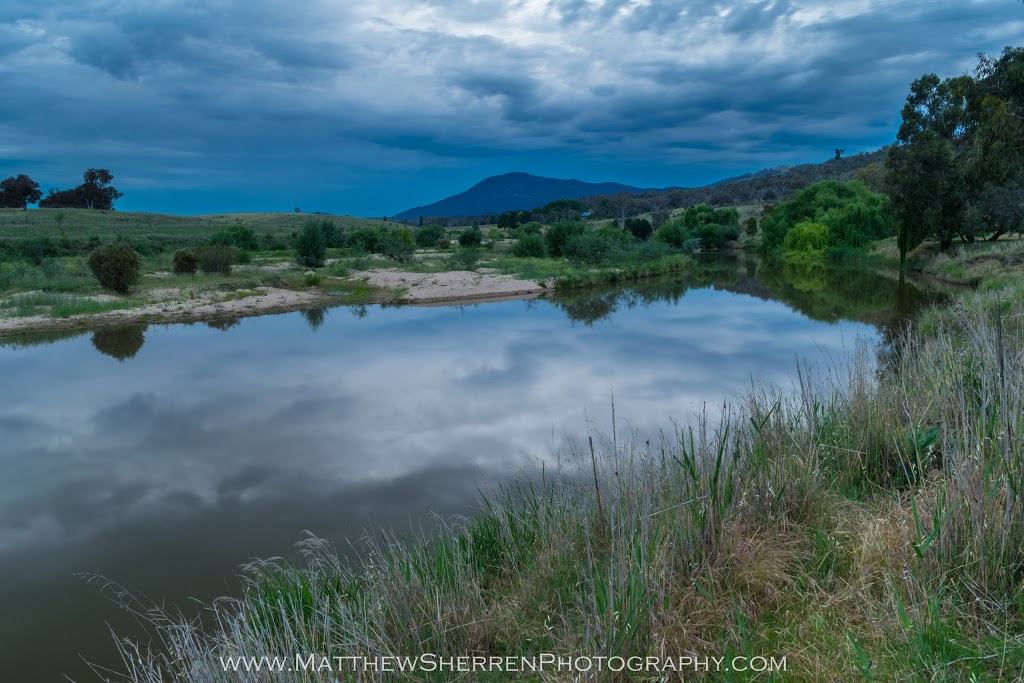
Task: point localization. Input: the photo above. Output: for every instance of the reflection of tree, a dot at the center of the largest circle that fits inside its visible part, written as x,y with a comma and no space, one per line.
223,324
360,311
821,291
806,276
120,341
315,317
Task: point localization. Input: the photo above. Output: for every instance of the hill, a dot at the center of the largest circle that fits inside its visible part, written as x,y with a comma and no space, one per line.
512,191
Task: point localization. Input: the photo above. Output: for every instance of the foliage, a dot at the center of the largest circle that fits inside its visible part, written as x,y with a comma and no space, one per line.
854,215
560,233
957,163
95,192
311,245
397,245
365,239
464,259
216,258
471,237
117,266
185,262
807,237
531,228
239,235
18,192
641,228
428,235
591,248
751,226
444,244
531,245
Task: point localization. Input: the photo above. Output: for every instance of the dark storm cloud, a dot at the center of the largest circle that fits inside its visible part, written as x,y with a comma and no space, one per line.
348,102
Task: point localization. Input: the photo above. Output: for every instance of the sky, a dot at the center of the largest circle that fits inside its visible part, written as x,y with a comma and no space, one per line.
370,108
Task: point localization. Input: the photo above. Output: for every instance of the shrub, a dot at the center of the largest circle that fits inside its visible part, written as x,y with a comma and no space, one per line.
560,233
751,226
311,245
312,280
443,244
185,262
530,246
590,248
465,259
216,258
531,228
673,233
640,227
271,243
807,237
392,246
117,266
240,236
471,237
365,239
429,235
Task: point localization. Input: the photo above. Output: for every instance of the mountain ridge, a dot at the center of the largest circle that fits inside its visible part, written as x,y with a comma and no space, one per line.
513,191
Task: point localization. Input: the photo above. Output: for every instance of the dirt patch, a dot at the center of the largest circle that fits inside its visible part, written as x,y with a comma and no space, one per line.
451,285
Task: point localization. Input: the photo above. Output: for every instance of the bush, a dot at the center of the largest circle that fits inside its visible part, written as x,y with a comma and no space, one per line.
312,280
751,226
443,244
471,237
311,245
673,233
117,266
429,235
185,262
560,233
591,249
465,259
240,236
365,239
640,227
392,246
531,228
530,246
807,237
216,258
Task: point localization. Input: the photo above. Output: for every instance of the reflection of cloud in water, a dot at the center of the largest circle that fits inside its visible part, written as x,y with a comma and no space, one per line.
362,402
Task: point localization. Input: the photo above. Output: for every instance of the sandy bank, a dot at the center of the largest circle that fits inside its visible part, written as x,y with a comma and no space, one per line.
454,285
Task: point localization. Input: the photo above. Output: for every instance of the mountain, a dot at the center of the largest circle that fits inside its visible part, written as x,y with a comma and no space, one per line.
512,191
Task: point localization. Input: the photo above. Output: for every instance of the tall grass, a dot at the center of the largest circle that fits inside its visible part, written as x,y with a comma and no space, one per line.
866,525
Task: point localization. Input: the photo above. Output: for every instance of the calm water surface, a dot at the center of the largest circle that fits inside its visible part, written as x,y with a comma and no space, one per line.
164,456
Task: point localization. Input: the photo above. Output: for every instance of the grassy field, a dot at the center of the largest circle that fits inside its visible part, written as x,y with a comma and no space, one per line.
867,527
81,223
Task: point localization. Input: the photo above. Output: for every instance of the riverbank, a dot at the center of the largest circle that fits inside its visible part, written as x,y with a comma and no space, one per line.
865,527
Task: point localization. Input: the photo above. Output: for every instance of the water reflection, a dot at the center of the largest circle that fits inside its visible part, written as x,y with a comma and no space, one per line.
119,341
224,441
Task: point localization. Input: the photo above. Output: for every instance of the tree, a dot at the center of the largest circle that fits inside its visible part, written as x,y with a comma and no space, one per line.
311,245
18,192
95,192
839,153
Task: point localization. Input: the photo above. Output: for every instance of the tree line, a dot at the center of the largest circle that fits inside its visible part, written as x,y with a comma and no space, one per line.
95,192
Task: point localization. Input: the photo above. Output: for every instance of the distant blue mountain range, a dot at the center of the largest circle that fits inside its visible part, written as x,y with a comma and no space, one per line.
512,191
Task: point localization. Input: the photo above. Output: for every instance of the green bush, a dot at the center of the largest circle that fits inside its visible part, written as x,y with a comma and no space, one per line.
639,227
393,246
116,266
444,244
531,228
464,259
807,237
673,233
471,237
185,262
854,215
311,245
216,258
751,226
591,248
312,280
530,246
240,236
365,239
428,235
560,233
